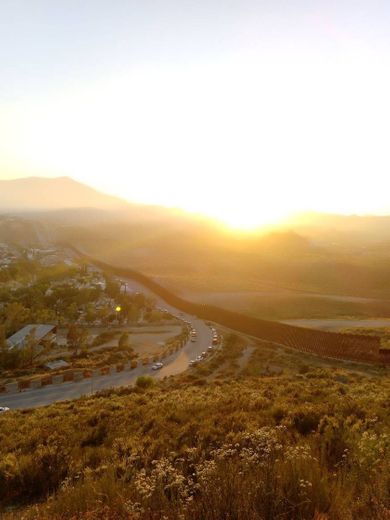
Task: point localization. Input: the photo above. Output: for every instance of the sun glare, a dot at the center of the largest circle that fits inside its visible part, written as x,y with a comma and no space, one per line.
242,221
243,218
229,142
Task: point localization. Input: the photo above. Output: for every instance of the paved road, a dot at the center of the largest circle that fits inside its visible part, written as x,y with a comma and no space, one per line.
173,364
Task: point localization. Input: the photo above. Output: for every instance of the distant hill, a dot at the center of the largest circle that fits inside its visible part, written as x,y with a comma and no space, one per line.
329,254
355,229
43,194
63,201
25,233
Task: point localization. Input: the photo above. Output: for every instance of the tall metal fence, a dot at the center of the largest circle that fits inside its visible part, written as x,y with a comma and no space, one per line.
354,347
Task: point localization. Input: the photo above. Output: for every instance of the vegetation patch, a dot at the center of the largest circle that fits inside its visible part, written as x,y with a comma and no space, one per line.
249,448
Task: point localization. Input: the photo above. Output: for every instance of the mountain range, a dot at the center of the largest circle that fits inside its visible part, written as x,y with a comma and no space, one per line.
72,199
43,194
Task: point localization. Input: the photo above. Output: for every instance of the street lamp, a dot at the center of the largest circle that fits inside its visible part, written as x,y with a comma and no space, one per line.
118,309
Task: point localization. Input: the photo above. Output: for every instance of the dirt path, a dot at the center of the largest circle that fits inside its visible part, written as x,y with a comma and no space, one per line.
245,357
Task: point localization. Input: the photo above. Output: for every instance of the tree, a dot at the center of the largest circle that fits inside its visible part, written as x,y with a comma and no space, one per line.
133,314
16,315
3,347
112,287
45,315
30,346
154,316
71,311
77,338
124,341
3,341
102,314
9,359
90,314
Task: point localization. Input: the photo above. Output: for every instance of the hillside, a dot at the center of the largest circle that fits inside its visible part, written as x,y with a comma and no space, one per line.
198,258
327,265
38,194
306,444
343,229
24,232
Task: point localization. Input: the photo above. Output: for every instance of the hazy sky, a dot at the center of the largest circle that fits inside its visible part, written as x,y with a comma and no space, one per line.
247,110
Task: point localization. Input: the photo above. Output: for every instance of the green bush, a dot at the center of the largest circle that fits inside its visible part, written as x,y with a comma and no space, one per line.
144,382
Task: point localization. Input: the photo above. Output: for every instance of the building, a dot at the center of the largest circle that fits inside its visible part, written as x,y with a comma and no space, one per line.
44,334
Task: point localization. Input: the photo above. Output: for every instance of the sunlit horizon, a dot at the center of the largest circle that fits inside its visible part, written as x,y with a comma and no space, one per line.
244,221
247,118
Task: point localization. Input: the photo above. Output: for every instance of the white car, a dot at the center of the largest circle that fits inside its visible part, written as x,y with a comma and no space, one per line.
157,366
4,409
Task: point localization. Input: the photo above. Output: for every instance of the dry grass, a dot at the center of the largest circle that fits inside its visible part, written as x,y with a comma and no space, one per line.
301,445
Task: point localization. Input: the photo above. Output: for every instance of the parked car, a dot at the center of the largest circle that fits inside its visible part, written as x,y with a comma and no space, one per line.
210,347
4,409
157,366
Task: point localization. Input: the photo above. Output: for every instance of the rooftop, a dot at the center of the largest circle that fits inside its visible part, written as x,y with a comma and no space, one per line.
18,338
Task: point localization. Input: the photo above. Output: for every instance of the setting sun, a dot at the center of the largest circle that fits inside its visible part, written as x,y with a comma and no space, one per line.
246,216
224,141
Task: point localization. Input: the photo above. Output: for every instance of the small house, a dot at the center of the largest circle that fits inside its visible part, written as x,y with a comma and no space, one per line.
44,334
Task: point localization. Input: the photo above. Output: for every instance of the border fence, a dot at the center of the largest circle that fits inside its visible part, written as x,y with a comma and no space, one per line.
351,347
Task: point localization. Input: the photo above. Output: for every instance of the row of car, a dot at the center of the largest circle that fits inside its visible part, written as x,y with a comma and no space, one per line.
180,317
193,333
201,356
215,336
193,339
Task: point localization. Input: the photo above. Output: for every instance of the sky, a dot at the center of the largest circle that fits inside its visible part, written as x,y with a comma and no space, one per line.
244,110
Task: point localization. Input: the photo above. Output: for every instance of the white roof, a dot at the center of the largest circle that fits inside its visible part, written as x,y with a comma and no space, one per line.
59,363
17,339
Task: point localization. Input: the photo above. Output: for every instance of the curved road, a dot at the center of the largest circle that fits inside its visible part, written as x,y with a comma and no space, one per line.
173,364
